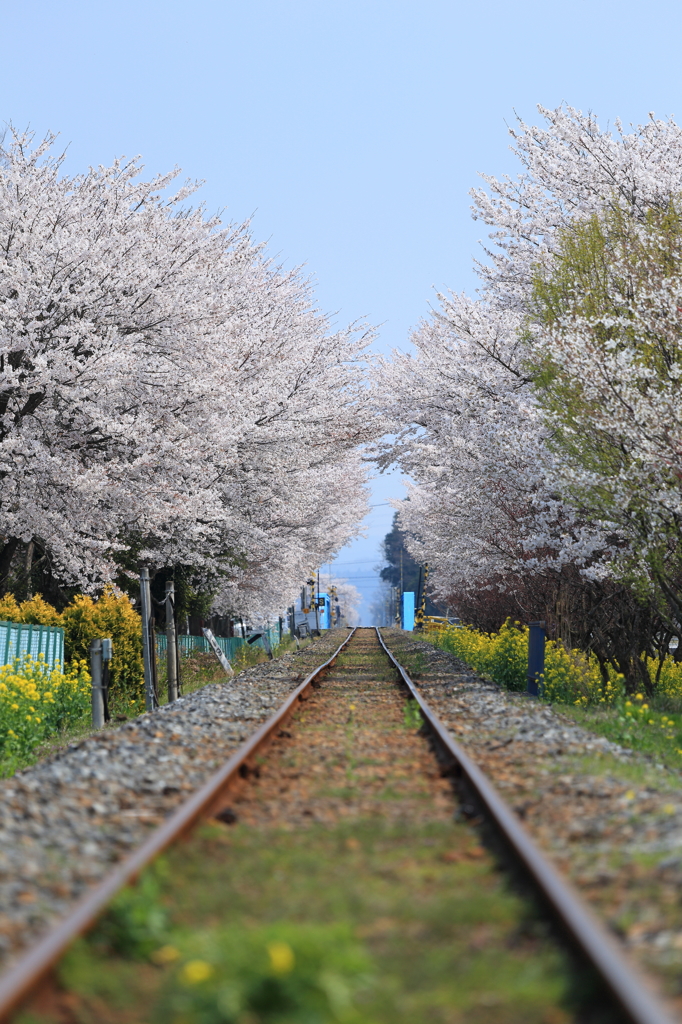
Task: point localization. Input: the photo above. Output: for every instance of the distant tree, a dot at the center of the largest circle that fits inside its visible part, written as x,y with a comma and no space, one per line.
403,571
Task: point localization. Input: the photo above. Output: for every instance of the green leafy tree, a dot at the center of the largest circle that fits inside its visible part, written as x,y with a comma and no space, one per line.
606,360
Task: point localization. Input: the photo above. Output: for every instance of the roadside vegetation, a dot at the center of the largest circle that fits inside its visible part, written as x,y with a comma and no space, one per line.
42,710
593,695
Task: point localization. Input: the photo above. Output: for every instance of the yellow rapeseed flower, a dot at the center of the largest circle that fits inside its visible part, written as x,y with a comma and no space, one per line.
282,957
165,955
196,971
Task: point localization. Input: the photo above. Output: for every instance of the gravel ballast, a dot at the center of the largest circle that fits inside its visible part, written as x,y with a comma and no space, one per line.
608,817
66,820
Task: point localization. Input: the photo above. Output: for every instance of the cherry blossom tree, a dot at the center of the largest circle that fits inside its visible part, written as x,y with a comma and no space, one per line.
167,394
495,497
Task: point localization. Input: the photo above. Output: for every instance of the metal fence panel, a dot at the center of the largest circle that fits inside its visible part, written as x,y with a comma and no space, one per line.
21,639
228,644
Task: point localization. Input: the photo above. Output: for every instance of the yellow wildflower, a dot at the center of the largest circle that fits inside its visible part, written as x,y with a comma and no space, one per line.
196,971
165,955
282,957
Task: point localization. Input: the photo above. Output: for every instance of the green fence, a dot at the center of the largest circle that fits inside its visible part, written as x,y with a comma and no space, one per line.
228,644
20,639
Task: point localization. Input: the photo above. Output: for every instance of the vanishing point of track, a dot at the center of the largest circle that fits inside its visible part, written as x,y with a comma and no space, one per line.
218,796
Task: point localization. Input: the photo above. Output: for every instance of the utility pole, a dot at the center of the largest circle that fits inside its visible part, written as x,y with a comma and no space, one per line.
317,604
171,644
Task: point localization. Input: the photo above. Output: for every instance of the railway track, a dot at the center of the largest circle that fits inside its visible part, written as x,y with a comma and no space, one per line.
348,756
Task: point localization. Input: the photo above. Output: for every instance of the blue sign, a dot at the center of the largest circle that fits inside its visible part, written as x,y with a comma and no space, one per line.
407,617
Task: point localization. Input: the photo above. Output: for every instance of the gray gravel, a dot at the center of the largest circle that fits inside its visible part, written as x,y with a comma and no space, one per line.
63,822
609,817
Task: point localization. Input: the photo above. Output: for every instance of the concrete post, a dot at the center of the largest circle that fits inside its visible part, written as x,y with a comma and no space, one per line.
171,651
96,673
147,640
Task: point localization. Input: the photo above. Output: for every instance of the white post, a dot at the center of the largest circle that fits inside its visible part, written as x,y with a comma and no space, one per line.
171,651
218,651
96,673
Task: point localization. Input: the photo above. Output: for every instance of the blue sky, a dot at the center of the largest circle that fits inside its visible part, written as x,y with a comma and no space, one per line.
351,130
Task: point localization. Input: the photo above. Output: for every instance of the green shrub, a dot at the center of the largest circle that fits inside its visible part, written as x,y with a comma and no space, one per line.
35,610
112,615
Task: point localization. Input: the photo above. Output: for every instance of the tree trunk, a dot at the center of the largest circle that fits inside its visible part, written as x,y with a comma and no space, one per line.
29,562
6,555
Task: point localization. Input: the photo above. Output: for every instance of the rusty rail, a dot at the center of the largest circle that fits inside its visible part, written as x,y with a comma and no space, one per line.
622,979
22,979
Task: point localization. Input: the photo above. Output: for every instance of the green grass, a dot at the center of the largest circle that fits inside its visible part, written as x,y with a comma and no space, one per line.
655,733
413,929
413,716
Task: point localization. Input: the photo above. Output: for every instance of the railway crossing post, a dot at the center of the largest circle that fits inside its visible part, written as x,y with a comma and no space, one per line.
171,647
536,656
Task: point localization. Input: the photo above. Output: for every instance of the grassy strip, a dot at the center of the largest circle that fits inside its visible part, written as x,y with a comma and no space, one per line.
636,726
364,923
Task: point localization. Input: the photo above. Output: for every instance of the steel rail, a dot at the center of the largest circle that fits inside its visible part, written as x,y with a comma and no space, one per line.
626,985
22,980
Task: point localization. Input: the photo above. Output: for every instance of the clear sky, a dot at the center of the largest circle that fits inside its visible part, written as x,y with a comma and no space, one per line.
352,129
